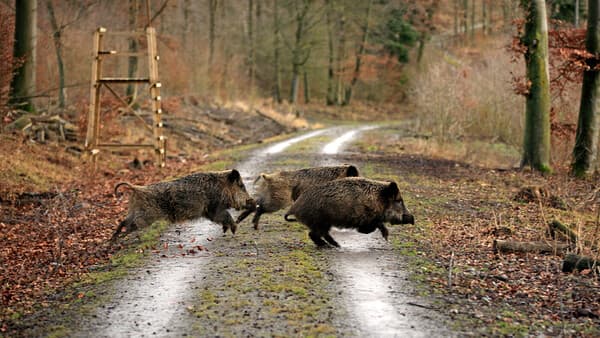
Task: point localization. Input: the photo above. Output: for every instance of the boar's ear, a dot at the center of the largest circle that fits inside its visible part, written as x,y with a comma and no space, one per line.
390,191
233,176
352,171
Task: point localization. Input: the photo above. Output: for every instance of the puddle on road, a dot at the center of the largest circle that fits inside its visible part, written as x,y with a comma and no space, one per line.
336,145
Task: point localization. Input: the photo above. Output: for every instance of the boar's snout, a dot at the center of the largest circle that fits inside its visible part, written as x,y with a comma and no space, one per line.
408,219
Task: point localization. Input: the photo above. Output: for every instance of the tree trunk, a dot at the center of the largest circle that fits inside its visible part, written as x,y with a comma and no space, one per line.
251,52
536,144
276,47
306,88
300,54
465,23
484,17
212,12
23,82
456,16
359,53
56,38
330,99
341,56
132,65
472,32
585,151
577,14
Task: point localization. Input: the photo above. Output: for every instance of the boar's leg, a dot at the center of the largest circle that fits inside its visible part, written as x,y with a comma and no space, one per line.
224,218
316,238
127,223
243,215
384,231
259,211
330,240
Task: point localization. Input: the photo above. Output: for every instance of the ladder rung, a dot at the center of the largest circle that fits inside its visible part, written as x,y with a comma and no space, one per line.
123,80
116,53
125,145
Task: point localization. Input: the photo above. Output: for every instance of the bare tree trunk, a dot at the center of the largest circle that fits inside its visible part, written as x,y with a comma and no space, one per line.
300,53
56,38
212,12
359,53
465,23
472,33
132,66
484,17
456,16
251,52
536,152
306,88
341,57
585,151
577,14
23,82
330,99
277,47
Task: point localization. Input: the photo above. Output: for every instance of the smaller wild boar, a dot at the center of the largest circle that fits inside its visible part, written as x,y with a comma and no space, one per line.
353,203
278,190
202,194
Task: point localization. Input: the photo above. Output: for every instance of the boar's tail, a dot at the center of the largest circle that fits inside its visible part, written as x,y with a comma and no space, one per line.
129,185
289,219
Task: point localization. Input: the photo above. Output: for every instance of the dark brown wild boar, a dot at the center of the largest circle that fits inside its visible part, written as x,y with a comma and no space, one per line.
355,203
207,194
278,190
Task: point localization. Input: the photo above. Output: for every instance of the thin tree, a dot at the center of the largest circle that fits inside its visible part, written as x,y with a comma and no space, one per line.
585,151
23,82
277,50
536,146
359,54
301,51
212,13
251,51
132,62
330,98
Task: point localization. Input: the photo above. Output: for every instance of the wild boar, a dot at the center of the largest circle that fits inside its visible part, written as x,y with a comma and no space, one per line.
202,194
354,203
278,190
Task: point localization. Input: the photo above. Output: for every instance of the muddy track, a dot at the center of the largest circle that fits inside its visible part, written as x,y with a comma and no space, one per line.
272,281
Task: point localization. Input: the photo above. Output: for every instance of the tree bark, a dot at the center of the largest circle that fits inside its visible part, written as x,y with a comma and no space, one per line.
56,38
23,82
251,52
359,54
536,145
465,23
585,152
276,47
532,247
300,53
306,88
212,12
341,56
132,64
330,99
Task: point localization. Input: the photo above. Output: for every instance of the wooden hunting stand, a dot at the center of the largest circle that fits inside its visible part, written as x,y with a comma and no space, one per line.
98,81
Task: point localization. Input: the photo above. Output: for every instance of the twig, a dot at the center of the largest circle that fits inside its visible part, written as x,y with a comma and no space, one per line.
422,306
450,270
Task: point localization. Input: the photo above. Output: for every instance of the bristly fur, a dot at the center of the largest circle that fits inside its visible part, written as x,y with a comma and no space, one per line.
202,194
354,202
278,190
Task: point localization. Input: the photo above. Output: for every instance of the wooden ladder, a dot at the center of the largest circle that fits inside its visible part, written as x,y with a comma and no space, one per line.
92,140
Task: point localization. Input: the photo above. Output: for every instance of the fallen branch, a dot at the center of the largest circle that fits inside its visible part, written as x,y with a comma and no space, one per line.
533,247
574,262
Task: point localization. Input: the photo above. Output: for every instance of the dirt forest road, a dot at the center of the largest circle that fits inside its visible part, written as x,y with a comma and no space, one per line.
272,281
